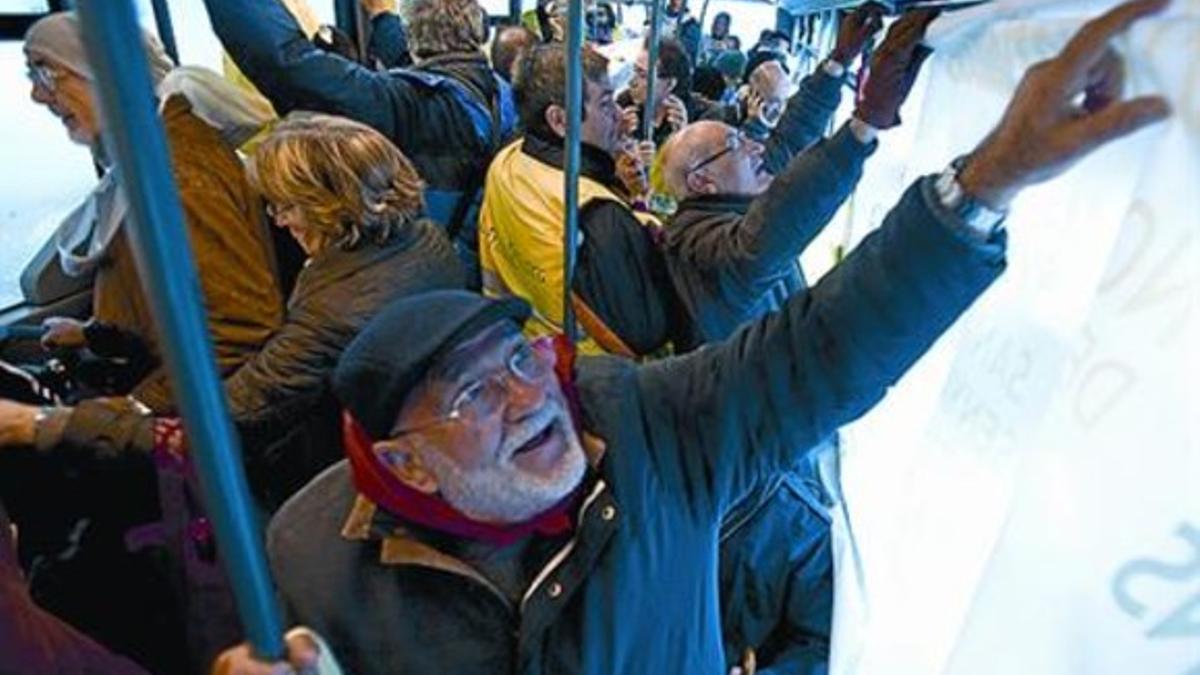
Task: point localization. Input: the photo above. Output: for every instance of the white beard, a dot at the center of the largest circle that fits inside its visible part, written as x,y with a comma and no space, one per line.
504,493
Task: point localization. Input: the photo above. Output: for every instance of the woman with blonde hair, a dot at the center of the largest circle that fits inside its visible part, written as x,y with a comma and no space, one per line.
352,201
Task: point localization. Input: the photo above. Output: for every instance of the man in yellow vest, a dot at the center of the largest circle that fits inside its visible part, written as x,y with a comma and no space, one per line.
623,297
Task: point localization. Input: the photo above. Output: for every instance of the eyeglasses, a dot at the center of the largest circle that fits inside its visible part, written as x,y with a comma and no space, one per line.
484,396
733,143
43,75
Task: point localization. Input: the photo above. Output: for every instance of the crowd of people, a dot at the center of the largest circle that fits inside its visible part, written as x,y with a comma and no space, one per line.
449,485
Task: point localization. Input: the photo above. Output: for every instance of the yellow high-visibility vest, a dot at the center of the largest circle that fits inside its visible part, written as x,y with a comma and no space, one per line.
521,242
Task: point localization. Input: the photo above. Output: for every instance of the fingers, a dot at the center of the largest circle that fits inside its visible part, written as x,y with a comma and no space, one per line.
1105,81
1089,44
920,54
1119,119
240,661
867,18
303,652
908,30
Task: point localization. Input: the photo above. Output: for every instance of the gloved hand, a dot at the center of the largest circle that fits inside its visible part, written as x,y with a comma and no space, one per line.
63,333
894,69
855,30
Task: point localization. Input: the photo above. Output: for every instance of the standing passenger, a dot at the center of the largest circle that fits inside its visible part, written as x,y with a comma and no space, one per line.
448,114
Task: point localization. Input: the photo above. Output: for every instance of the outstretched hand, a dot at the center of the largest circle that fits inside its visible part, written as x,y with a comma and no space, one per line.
855,30
894,69
1063,109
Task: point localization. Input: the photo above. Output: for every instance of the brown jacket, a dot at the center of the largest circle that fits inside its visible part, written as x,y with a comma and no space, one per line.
229,246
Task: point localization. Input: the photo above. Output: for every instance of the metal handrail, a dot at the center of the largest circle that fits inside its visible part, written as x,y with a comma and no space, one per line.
571,151
652,69
134,134
166,29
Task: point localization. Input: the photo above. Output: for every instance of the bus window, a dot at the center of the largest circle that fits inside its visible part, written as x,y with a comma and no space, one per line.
44,174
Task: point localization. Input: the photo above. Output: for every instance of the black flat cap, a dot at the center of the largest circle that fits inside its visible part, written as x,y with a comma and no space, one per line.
394,351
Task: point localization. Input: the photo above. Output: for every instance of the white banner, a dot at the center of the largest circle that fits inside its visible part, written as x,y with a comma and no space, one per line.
1027,501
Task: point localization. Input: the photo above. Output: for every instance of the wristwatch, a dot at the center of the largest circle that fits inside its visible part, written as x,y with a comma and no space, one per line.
979,218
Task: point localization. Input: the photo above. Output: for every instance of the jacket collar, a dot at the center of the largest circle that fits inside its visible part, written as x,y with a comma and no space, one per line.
594,163
399,545
402,545
738,204
336,263
453,60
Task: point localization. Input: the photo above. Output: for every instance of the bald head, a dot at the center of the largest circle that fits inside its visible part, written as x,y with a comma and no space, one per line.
507,46
771,81
713,158
685,149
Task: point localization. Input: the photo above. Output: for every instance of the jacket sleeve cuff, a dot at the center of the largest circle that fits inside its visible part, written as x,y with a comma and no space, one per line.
993,246
845,148
821,86
108,427
50,429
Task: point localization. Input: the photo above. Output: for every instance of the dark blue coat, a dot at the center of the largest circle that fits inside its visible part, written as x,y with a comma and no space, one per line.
636,588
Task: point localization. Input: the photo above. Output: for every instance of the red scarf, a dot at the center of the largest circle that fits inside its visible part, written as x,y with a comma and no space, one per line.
375,482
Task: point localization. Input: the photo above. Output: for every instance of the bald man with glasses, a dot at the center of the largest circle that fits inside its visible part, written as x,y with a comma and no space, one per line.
747,209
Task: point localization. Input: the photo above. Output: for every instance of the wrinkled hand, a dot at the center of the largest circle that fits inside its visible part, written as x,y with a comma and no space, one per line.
633,162
558,21
855,30
302,658
629,121
373,8
1044,130
754,106
18,425
894,69
62,333
676,112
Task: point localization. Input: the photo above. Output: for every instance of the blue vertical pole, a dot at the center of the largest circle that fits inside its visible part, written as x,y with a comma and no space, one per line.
703,17
572,153
135,136
166,29
652,68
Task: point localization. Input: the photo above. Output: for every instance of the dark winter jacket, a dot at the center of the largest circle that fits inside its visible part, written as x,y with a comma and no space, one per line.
423,110
155,580
34,641
280,399
635,589
734,258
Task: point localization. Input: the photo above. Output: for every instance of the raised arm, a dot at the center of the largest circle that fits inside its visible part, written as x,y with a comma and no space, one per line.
751,405
268,46
810,109
388,42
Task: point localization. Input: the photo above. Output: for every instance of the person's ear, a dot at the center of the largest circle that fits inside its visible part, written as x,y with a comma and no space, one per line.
404,462
699,183
666,84
556,119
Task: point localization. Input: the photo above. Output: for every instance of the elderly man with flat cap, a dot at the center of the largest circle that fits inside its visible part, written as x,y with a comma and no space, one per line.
494,517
